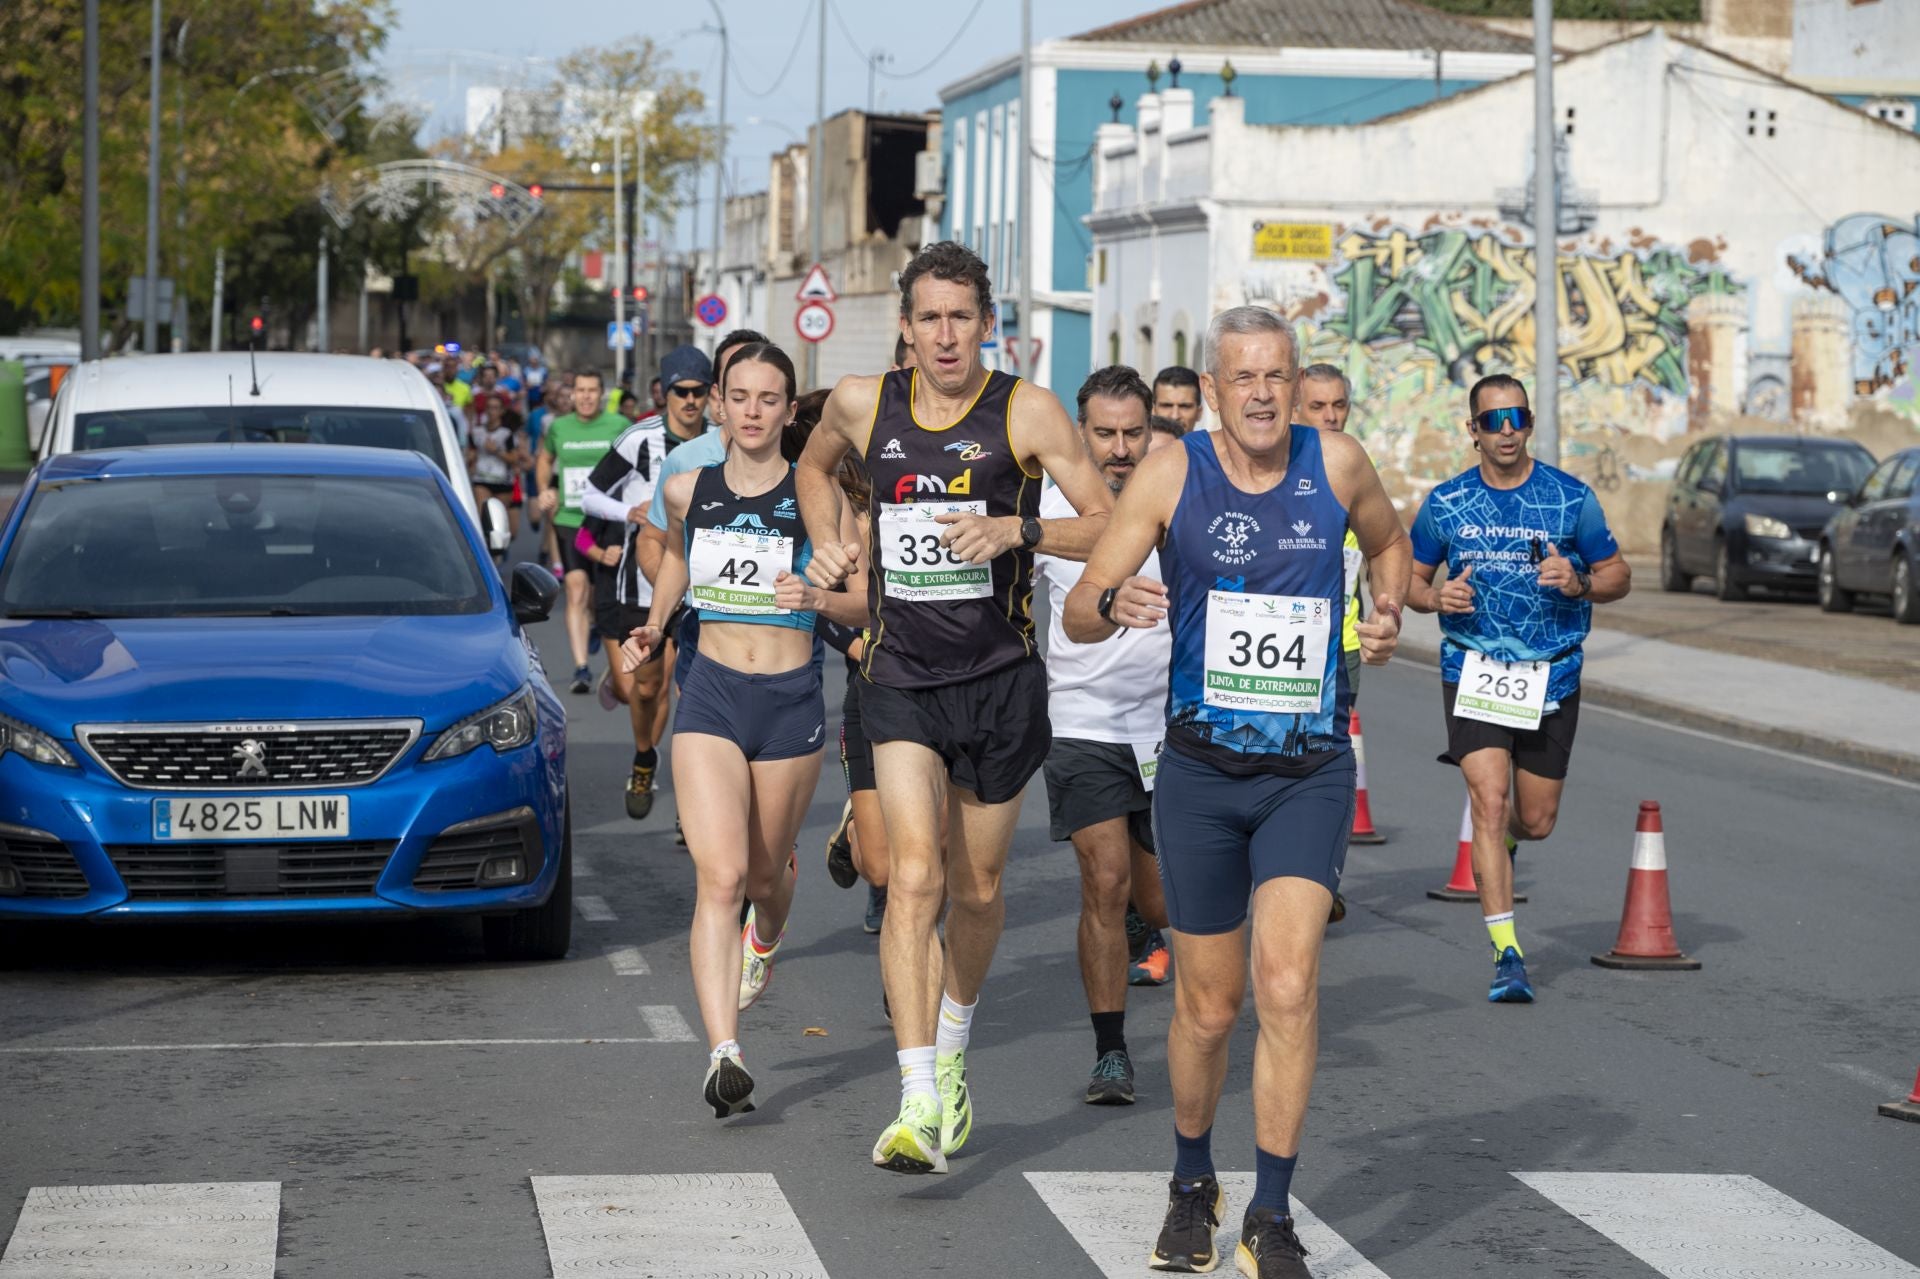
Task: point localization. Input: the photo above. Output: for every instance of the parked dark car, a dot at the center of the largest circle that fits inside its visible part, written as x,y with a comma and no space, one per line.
1748,510
1872,545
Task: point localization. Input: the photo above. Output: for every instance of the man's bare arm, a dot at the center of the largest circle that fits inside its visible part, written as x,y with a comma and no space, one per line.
1138,523
1376,526
1039,430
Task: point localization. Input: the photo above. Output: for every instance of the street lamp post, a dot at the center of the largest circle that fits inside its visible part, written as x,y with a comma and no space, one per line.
150,332
618,274
719,149
90,191
1546,246
814,164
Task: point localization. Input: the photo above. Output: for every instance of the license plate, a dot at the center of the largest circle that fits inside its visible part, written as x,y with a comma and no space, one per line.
264,817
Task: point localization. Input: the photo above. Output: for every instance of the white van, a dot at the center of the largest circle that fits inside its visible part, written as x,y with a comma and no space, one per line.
271,396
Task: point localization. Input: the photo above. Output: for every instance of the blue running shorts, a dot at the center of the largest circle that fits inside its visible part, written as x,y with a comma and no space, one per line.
781,716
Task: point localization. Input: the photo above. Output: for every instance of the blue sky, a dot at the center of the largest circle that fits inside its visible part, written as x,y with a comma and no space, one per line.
493,37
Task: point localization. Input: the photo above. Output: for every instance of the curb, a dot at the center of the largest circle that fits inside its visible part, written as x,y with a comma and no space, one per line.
1815,745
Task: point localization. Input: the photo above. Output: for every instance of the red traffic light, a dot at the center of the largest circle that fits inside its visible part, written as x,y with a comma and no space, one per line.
536,191
497,190
257,325
639,293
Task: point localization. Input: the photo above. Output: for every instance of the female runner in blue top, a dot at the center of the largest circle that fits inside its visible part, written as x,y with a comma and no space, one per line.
752,721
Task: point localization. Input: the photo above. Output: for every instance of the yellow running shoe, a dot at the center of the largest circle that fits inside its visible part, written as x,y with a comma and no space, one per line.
911,1143
956,1100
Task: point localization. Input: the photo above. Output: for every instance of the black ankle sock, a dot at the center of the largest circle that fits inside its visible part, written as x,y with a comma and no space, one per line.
1109,1033
646,759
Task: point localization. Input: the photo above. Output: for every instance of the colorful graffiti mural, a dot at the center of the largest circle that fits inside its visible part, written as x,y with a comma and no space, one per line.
1872,263
1464,297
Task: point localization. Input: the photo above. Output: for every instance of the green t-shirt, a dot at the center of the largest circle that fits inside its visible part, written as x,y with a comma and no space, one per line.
577,447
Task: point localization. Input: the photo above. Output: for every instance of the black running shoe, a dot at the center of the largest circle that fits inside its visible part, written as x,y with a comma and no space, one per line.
729,1088
876,909
1112,1082
840,851
1138,934
1268,1247
640,792
1193,1218
582,680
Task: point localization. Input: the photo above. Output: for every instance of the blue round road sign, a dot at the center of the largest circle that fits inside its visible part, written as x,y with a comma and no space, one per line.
712,310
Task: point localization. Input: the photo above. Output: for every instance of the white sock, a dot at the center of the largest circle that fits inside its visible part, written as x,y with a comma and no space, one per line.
916,1073
956,1025
722,1049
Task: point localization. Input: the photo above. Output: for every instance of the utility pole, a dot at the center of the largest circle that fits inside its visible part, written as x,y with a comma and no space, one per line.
1024,328
90,192
219,295
874,61
719,150
1546,241
320,335
617,273
150,334
642,107
179,335
815,163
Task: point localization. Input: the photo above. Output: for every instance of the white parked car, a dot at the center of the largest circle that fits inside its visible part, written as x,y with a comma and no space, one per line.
272,397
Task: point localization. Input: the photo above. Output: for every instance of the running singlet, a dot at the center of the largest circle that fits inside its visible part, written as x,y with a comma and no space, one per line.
1256,588
1504,534
737,545
937,619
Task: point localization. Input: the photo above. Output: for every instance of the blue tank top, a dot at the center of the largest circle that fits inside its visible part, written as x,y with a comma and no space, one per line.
1264,573
741,524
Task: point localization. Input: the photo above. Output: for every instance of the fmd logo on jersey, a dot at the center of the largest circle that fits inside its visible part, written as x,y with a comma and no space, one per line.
908,485
892,452
785,510
969,450
1234,532
747,519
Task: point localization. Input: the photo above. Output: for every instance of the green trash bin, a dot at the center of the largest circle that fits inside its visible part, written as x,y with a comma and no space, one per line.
14,453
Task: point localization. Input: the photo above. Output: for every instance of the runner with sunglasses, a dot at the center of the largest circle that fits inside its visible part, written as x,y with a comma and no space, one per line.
1527,553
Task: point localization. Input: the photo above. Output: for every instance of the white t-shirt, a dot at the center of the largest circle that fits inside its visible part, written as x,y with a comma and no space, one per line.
1114,691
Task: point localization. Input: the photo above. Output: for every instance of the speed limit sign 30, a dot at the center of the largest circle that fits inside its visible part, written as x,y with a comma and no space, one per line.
813,322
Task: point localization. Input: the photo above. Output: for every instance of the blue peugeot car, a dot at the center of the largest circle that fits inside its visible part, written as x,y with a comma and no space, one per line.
274,680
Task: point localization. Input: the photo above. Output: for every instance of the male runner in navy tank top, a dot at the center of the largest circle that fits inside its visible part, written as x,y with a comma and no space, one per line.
1254,796
953,694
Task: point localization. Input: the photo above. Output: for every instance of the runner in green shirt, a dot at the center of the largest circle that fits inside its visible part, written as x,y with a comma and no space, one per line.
569,450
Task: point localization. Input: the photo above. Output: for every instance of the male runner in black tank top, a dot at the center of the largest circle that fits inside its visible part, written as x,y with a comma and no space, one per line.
953,695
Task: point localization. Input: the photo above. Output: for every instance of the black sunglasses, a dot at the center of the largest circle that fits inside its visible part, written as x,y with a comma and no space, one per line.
687,392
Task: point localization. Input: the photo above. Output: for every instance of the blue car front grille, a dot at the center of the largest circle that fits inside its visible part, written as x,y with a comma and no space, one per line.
45,866
249,756
218,872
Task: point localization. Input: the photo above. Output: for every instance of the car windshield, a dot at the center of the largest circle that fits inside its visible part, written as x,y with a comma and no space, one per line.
414,429
240,545
1797,468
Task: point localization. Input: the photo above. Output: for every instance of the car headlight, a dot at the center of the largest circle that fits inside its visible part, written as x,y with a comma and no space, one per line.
31,743
504,726
1767,526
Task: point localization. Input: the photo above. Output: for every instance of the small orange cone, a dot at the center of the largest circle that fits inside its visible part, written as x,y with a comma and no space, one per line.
1909,1109
1363,831
1462,887
1646,921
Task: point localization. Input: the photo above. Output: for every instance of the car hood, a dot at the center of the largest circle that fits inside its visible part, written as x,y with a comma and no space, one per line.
437,669
1799,510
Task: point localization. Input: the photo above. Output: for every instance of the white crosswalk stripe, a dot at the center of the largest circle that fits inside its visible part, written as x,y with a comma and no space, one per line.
1115,1216
627,961
146,1231
1693,1226
665,1025
594,909
691,1226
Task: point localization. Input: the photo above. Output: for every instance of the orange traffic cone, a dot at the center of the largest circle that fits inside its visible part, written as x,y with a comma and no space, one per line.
1646,922
1908,1109
1462,887
1363,831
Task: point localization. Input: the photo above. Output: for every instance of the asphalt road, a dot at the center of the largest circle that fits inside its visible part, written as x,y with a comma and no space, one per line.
1794,883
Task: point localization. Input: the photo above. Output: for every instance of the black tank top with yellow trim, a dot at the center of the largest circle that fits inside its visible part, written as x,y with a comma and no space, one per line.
936,619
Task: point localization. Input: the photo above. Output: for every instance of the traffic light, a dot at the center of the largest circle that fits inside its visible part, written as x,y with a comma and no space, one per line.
257,327
537,191
498,191
640,293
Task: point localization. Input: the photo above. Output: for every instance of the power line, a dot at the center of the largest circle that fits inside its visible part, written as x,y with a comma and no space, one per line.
793,51
917,72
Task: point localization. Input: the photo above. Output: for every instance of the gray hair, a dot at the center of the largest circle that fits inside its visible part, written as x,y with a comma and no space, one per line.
1327,373
1246,320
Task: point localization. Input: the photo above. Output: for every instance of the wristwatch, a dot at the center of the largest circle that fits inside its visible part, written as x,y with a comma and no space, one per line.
1105,606
1586,584
1029,533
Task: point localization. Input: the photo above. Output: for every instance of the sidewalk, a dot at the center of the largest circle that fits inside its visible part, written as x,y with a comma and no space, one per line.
1833,717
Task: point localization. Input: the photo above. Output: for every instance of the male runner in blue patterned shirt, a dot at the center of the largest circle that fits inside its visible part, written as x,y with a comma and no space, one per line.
1528,553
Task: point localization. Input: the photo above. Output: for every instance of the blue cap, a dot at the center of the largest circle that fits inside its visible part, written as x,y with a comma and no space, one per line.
686,364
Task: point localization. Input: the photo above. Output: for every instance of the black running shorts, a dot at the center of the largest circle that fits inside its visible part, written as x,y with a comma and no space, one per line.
1093,782
1544,751
856,757
992,731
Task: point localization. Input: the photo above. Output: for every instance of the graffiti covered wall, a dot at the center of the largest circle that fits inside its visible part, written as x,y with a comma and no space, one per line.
1872,265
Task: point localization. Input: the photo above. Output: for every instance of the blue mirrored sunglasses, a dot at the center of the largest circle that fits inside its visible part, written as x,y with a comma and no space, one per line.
1496,421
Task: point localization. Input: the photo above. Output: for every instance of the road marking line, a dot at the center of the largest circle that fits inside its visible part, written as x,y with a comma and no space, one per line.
1864,774
1115,1216
695,1225
1886,1085
594,909
146,1231
582,868
667,1025
71,1049
1695,1226
627,961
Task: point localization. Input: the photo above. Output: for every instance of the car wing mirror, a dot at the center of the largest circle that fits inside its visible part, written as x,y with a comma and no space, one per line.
532,592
